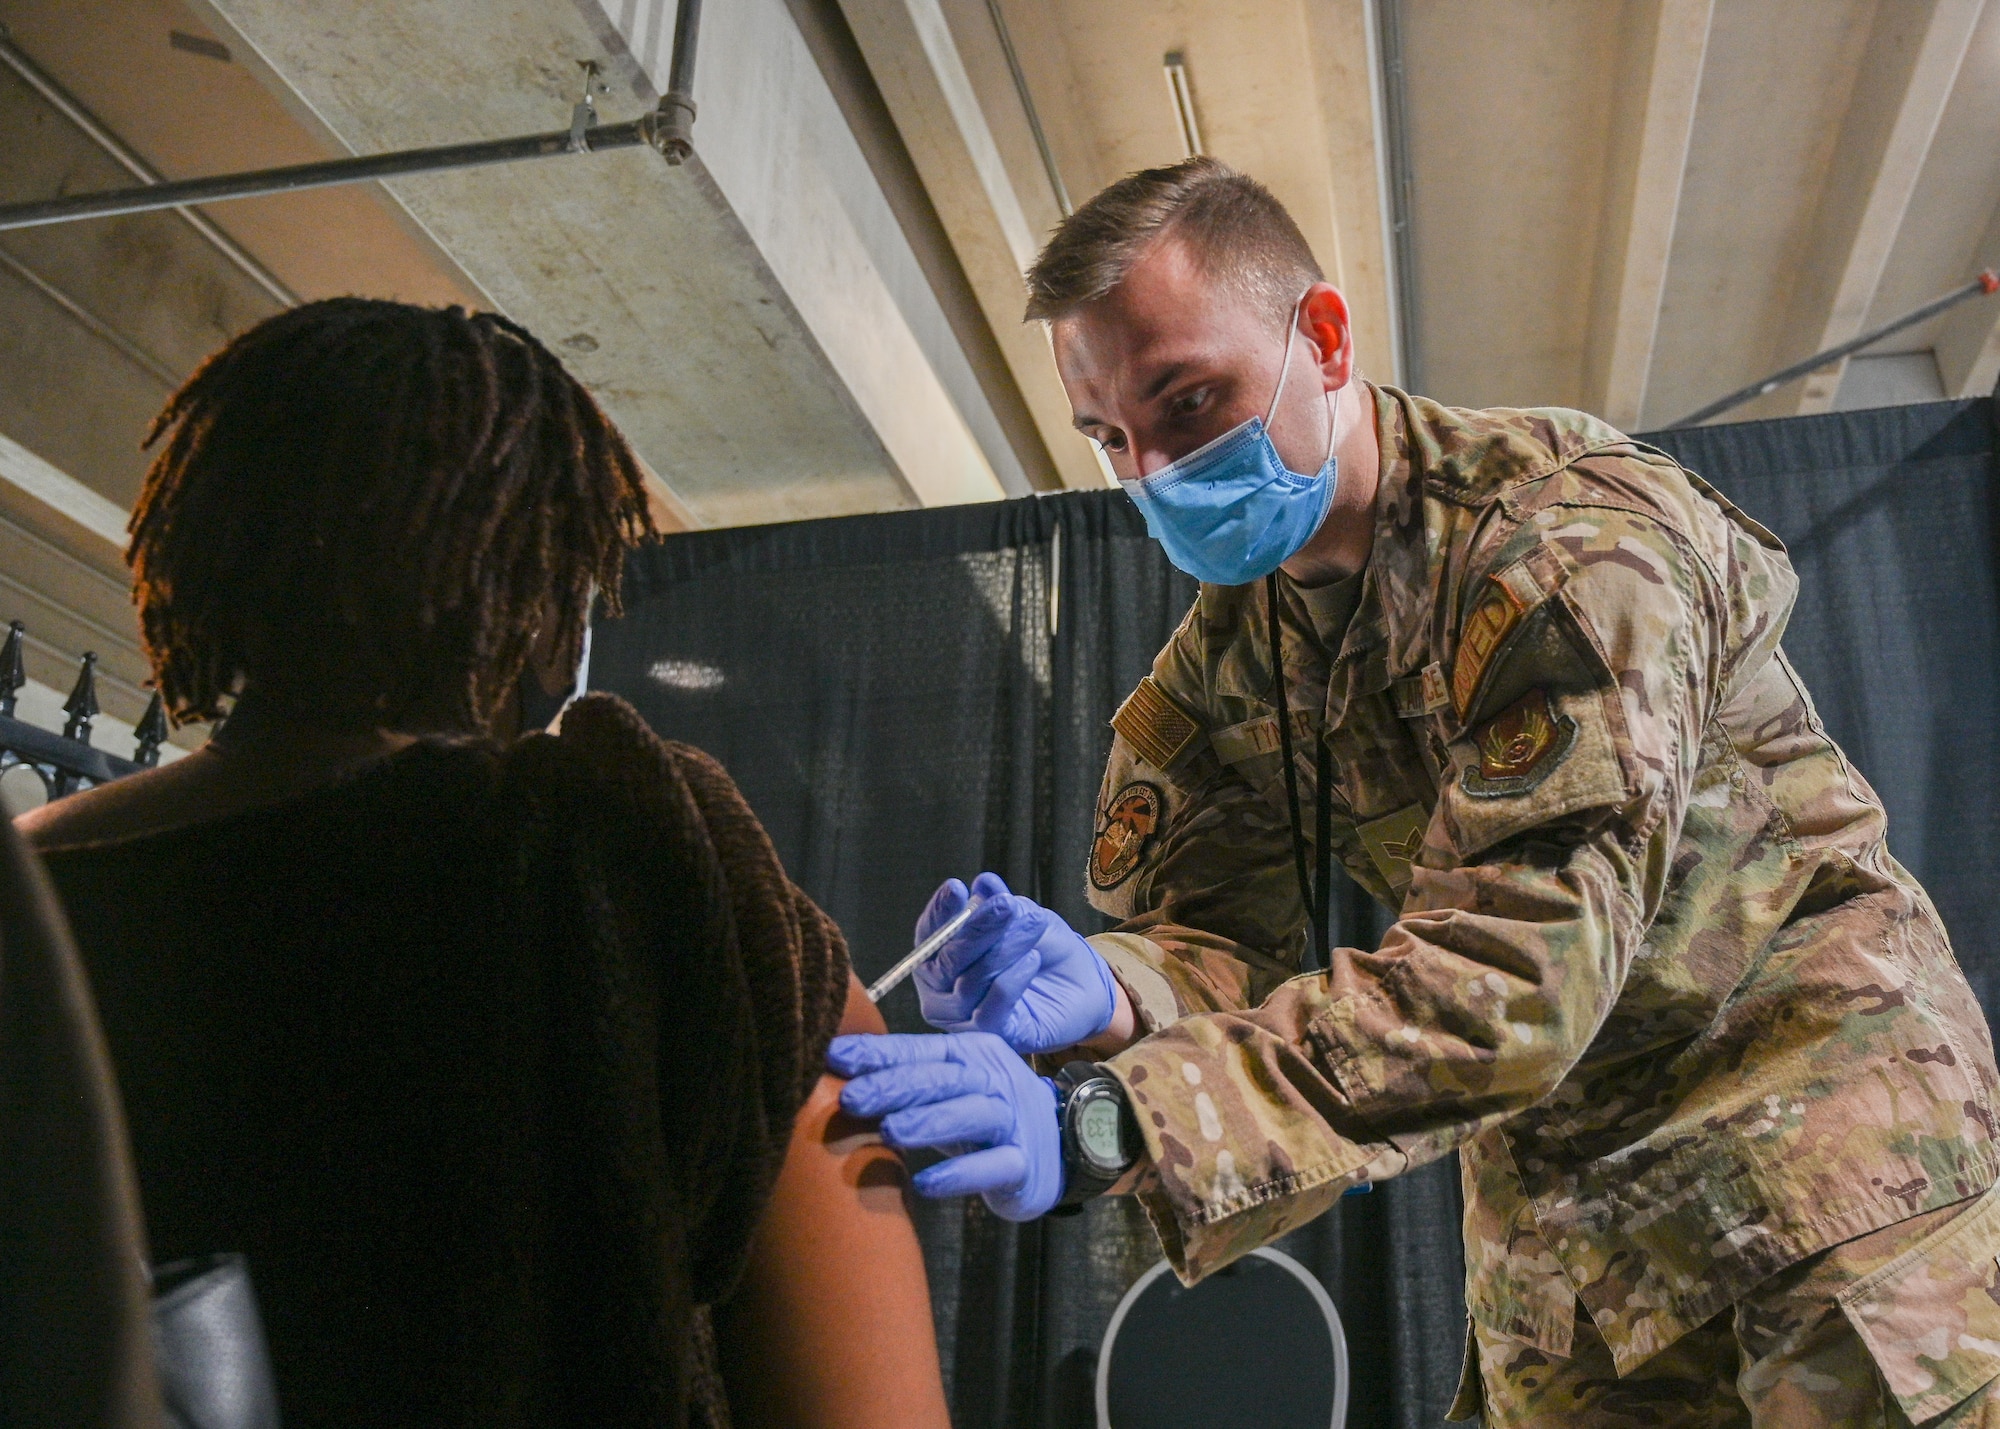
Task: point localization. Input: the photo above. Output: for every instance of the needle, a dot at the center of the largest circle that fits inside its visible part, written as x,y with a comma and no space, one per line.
893,978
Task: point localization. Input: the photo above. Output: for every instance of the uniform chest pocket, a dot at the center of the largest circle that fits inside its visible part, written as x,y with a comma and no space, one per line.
1379,760
1391,783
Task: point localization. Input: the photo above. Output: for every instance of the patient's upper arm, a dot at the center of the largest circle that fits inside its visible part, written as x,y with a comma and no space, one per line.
831,1326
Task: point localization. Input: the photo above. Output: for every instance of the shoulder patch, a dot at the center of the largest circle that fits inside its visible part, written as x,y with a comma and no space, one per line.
1518,748
1125,828
1154,725
1499,610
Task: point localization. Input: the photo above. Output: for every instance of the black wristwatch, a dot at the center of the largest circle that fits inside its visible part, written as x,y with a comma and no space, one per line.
1100,1136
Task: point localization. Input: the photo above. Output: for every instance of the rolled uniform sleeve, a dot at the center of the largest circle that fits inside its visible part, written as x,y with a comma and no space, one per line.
1544,859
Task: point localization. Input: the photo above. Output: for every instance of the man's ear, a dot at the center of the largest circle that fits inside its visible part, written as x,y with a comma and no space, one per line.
1327,323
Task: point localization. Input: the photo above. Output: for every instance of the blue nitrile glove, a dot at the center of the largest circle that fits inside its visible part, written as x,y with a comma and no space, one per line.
1015,970
967,1091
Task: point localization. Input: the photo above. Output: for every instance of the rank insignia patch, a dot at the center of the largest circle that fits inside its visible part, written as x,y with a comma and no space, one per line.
1393,842
1125,828
1154,725
1518,748
1492,621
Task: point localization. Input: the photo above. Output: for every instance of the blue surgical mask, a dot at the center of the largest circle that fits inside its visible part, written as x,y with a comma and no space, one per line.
1231,512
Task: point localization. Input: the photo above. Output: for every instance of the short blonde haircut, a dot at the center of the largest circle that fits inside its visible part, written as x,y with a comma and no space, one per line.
1232,225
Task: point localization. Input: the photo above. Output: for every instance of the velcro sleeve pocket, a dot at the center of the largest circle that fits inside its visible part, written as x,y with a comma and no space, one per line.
1503,609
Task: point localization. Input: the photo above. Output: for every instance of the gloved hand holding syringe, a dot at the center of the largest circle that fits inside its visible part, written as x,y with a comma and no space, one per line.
1002,977
921,953
1004,983
989,960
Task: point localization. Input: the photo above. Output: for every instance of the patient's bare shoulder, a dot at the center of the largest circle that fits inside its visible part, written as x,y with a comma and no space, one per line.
175,794
859,1015
209,784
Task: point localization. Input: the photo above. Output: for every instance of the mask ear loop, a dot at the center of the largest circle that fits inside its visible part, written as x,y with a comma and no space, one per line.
1285,362
1285,371
1333,422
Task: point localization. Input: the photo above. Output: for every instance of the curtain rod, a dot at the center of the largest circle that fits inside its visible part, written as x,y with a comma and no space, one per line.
1986,282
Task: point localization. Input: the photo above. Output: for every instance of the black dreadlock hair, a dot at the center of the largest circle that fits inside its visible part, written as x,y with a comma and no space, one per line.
369,509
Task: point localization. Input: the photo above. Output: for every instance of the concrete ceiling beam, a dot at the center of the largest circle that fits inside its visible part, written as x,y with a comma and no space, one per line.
748,319
1663,49
1910,64
789,168
994,209
59,494
845,69
1949,232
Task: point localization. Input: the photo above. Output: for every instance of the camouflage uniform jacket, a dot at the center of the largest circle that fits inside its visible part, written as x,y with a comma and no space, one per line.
1654,972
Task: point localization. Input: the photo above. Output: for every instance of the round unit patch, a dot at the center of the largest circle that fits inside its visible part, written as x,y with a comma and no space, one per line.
1124,830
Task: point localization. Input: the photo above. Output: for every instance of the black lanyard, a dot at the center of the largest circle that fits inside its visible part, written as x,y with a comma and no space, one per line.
1319,909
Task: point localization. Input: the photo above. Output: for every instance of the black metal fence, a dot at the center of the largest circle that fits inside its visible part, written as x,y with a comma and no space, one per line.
68,761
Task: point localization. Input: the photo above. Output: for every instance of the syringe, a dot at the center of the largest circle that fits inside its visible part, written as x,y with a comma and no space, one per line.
890,980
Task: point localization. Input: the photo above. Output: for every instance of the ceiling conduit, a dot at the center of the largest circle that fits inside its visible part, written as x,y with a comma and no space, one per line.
666,129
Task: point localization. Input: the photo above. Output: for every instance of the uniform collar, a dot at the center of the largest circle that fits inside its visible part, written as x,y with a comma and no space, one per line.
1360,669
1437,461
1440,466
1331,609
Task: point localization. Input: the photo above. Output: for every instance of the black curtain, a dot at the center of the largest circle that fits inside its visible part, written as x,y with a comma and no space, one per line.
915,695
1889,517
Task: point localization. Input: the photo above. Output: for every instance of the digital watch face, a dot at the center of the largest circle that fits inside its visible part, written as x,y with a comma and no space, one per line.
1099,1129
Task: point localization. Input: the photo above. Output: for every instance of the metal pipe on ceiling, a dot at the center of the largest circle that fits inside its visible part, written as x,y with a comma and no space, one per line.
296,177
677,107
1986,282
1181,92
94,129
665,129
1020,78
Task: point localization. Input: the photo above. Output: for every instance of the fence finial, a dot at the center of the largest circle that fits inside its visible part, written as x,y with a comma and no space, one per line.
82,701
152,733
13,674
